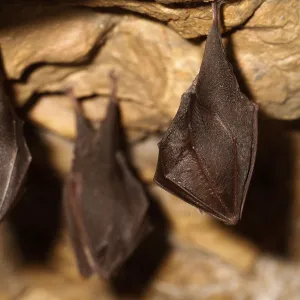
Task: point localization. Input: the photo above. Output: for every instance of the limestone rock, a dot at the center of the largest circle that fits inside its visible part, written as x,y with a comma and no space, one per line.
147,94
37,294
189,21
188,2
49,48
144,155
268,53
191,228
188,274
59,151
36,33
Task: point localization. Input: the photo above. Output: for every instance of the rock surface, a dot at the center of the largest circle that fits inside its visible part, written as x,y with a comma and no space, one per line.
43,62
188,19
48,48
267,51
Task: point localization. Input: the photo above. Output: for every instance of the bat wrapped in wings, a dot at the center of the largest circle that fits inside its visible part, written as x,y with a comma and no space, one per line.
207,155
106,206
14,154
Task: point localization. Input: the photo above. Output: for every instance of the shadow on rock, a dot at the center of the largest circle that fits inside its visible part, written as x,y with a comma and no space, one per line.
139,270
266,219
35,219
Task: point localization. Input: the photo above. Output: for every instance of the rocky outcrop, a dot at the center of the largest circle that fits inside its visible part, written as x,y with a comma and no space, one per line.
47,49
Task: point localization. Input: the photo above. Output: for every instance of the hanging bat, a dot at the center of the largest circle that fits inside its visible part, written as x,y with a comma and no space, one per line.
207,155
105,204
14,154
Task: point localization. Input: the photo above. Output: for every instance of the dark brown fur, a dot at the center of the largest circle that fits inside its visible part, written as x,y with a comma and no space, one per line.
105,204
15,157
207,155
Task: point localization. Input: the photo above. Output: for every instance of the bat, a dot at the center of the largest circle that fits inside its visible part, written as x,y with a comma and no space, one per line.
105,204
207,155
15,157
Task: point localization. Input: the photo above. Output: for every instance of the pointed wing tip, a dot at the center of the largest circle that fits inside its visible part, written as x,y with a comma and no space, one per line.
227,220
231,221
86,273
232,217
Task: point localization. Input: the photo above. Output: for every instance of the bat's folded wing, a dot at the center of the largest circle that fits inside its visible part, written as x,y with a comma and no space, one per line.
136,204
207,155
76,228
218,90
197,160
14,154
130,224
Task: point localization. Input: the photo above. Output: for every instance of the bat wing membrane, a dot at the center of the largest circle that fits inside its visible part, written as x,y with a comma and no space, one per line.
20,161
207,155
217,89
111,220
74,218
15,157
136,203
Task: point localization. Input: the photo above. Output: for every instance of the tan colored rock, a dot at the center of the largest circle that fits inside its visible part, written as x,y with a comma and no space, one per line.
190,274
144,155
155,66
37,294
147,94
59,152
150,95
274,280
268,52
44,282
11,284
189,22
34,38
186,2
196,230
185,273
63,260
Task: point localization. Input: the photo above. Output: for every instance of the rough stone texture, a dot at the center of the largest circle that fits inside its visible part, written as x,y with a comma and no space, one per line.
197,230
182,1
36,34
43,62
268,51
187,273
189,22
148,94
155,65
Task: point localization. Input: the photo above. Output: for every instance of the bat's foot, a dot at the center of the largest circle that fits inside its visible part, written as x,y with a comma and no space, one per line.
70,93
114,85
216,10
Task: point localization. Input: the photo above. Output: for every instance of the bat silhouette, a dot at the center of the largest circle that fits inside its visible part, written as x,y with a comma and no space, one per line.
15,157
207,155
105,204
